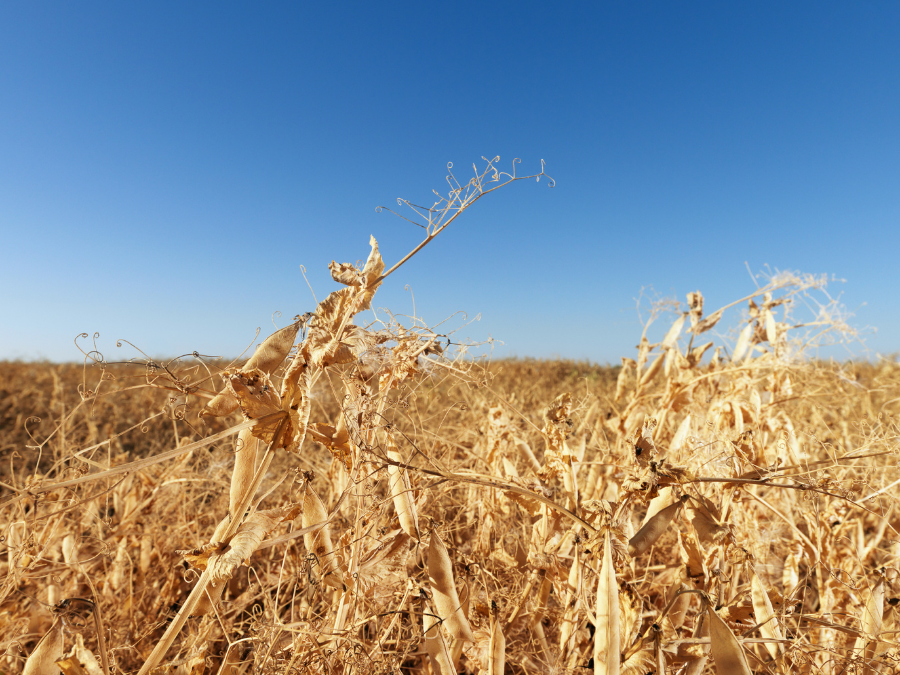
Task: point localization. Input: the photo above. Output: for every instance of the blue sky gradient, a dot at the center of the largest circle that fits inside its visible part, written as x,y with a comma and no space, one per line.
165,169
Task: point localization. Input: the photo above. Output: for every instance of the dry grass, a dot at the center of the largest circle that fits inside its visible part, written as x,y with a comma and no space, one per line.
354,499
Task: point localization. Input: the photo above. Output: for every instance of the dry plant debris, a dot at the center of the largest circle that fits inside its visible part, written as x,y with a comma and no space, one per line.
358,499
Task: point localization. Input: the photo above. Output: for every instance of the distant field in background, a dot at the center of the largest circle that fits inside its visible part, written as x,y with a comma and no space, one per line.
522,569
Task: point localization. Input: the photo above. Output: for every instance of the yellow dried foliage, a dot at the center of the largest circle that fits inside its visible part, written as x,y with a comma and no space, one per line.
592,513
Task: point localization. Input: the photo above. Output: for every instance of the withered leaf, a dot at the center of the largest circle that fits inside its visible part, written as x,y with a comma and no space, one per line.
258,400
247,540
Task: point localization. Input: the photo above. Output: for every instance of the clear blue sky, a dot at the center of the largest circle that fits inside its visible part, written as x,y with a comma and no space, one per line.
165,168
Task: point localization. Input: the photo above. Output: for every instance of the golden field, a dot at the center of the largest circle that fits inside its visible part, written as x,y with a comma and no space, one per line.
365,498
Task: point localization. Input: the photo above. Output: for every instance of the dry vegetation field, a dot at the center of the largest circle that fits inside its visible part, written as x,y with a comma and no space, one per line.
364,499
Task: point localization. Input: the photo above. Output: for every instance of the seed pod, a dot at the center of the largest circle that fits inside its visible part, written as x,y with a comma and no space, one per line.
627,365
68,549
146,552
244,469
272,352
401,491
652,371
680,606
567,627
701,629
318,543
435,643
726,650
47,652
220,405
665,497
654,528
866,645
765,615
790,577
743,346
497,655
120,565
446,600
606,629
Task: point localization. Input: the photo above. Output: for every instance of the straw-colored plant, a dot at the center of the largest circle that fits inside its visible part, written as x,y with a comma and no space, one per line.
356,497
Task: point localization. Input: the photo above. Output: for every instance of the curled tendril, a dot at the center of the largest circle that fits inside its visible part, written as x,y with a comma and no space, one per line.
94,354
179,409
190,575
33,420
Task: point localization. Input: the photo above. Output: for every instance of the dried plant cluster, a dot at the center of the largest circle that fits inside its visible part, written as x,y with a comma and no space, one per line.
361,499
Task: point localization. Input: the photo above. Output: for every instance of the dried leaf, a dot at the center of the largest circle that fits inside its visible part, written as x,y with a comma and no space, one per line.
706,519
333,315
222,566
80,660
695,305
259,401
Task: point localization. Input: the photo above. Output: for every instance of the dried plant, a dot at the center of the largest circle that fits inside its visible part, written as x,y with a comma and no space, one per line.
364,498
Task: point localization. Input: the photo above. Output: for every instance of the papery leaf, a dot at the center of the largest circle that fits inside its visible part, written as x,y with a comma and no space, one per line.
243,544
259,401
